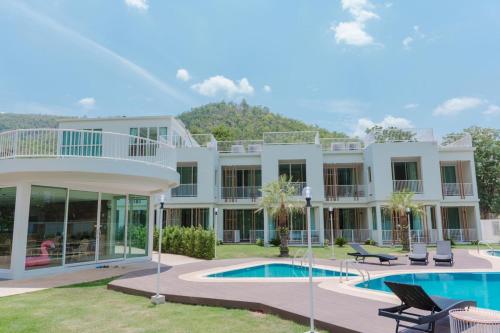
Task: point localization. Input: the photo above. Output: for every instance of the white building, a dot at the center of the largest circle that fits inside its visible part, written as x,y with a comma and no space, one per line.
84,194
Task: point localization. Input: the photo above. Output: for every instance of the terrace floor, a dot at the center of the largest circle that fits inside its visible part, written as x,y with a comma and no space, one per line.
337,310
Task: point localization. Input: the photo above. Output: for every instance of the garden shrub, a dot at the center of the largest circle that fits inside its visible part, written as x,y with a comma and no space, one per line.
192,242
370,242
259,242
275,242
341,241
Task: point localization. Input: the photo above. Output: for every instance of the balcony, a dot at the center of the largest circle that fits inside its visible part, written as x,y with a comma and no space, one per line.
460,235
185,190
351,235
240,192
384,135
334,192
457,141
297,237
457,189
415,186
340,145
240,147
298,187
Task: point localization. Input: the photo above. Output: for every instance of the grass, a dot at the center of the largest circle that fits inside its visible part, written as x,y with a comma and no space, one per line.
90,307
229,251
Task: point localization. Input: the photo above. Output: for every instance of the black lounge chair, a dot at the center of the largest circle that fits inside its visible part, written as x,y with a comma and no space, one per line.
413,296
363,254
443,252
419,254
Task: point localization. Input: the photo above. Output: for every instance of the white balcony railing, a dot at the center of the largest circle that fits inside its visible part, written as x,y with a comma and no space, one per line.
231,236
392,134
69,143
185,190
351,235
460,235
340,144
291,138
298,186
240,147
462,140
332,192
203,140
297,237
240,192
457,189
415,186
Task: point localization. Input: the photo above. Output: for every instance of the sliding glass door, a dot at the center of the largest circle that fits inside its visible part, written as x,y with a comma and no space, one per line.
137,241
112,226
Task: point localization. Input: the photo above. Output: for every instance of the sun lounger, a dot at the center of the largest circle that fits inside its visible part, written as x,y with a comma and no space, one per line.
443,252
414,296
363,254
419,254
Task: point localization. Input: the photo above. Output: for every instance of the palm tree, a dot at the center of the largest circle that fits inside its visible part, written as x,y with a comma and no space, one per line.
279,200
399,203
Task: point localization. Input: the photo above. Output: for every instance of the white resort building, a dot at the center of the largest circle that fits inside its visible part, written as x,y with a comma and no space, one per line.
85,193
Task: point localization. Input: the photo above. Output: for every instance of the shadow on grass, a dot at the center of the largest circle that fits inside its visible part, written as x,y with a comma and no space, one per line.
90,284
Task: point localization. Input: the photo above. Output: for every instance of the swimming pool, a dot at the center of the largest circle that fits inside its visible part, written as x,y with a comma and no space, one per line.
275,270
484,288
495,253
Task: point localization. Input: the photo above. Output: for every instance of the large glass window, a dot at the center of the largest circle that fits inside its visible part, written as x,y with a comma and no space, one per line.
140,145
112,230
449,174
7,210
84,143
188,174
405,171
137,234
44,246
81,229
294,171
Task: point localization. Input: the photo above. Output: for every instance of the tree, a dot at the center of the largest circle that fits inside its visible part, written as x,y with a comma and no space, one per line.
223,133
279,200
390,134
399,202
486,141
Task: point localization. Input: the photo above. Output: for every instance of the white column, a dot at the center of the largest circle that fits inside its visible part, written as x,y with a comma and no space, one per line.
266,228
378,213
369,220
220,224
20,234
477,215
428,221
439,223
320,219
211,218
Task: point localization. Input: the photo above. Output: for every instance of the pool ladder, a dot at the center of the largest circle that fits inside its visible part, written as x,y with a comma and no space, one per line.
484,243
303,252
365,274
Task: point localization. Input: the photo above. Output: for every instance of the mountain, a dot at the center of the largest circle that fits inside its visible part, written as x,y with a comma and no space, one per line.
15,120
230,121
226,120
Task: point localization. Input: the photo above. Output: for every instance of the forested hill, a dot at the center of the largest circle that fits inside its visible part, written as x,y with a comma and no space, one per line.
227,121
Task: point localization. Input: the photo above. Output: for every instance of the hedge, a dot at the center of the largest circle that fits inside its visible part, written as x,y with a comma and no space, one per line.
192,242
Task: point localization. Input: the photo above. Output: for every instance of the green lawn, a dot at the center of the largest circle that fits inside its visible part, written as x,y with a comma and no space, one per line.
228,251
92,308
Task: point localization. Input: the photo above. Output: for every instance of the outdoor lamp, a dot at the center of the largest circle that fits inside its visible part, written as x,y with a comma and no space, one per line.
216,212
330,210
306,193
408,212
159,299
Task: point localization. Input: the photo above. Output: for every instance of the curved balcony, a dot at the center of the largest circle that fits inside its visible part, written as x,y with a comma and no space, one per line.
80,155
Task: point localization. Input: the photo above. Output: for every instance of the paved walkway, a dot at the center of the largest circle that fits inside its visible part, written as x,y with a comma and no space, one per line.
335,311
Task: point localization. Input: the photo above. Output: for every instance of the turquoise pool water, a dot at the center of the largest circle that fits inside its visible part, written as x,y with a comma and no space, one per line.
484,288
495,253
275,271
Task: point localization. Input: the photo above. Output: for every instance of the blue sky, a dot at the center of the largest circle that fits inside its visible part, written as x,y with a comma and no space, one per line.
344,65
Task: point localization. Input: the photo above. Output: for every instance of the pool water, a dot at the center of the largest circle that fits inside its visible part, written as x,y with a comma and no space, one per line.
495,253
484,288
275,271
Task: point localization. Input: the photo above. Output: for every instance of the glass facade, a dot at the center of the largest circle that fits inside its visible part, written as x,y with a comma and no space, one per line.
67,227
7,210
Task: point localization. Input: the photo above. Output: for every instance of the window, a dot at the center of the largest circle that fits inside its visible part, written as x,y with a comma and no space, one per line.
449,174
140,144
294,171
137,234
405,171
370,174
188,174
82,143
112,227
7,211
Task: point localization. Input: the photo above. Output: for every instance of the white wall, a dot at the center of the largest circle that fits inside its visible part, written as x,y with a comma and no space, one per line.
491,230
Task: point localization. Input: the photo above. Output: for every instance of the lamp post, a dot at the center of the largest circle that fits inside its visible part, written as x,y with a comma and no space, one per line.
216,212
408,212
306,193
159,299
330,210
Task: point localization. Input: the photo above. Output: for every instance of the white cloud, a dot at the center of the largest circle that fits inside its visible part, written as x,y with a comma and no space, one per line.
138,4
221,85
411,106
388,121
267,88
353,32
407,41
456,105
492,110
183,75
87,103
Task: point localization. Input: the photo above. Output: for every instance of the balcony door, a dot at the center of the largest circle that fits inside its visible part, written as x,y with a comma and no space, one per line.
405,171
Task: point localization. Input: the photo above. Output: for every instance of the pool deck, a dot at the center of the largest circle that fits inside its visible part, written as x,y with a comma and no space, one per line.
338,307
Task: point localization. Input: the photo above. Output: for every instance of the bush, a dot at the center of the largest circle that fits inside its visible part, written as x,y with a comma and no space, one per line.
452,241
275,242
341,241
259,242
192,242
326,242
370,242
474,242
